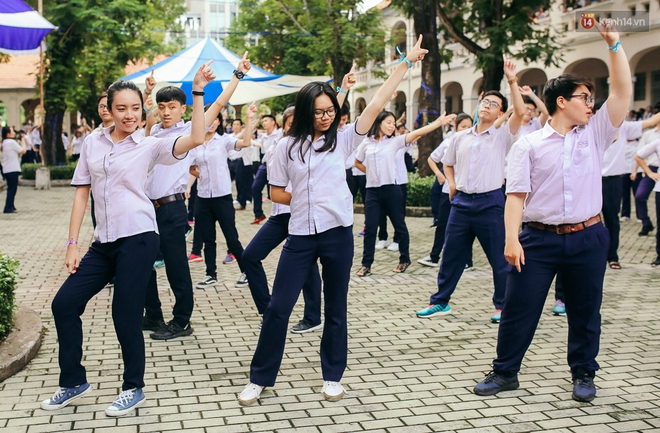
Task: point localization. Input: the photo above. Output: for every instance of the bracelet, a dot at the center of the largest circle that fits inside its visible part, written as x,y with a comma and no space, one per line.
403,58
339,89
512,80
196,93
150,112
147,93
615,47
70,242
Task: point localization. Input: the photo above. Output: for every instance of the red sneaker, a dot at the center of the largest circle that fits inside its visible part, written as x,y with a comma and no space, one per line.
194,258
229,259
258,220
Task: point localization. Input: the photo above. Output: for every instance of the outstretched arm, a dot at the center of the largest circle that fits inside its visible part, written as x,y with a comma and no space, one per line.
620,78
516,98
346,84
543,117
213,111
247,132
419,133
364,122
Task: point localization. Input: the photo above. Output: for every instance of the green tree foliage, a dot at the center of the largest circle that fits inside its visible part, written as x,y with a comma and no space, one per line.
308,37
94,41
490,28
8,276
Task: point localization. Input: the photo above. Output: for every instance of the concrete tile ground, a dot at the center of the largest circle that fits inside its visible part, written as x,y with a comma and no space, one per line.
404,374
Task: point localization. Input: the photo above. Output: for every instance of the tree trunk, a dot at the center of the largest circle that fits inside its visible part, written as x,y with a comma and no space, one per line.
53,148
424,22
492,78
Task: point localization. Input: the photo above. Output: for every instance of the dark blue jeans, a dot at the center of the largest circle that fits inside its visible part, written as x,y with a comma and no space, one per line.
612,192
480,216
12,187
272,233
642,195
335,250
386,199
581,259
172,221
130,260
260,180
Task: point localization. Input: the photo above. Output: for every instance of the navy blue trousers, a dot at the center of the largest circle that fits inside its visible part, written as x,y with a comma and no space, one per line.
258,184
207,212
436,199
381,201
627,186
480,216
274,231
642,196
612,193
335,250
581,260
172,219
130,260
12,187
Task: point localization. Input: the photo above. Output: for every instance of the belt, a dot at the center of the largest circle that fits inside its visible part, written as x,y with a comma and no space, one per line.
168,199
563,229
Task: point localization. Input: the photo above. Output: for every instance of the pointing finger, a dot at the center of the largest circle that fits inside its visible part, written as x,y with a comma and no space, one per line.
152,72
245,55
419,41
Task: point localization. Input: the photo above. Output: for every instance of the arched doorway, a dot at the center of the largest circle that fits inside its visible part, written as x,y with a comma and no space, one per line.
646,77
398,39
534,78
452,97
597,72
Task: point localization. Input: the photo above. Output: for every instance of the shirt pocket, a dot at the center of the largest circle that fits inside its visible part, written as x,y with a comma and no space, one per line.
583,161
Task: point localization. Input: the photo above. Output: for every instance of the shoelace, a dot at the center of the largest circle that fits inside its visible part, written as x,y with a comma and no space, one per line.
124,398
490,377
585,380
58,394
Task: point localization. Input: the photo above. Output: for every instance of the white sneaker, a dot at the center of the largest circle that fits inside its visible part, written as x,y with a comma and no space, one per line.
426,261
381,244
250,394
332,391
394,246
235,202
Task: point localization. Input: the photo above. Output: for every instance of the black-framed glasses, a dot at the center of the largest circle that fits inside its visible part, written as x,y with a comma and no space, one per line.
331,112
490,104
588,100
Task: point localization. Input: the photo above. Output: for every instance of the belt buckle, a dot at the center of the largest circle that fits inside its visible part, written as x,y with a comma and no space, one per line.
156,205
560,230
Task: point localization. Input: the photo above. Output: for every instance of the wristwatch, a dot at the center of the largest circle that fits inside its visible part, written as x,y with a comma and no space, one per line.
239,74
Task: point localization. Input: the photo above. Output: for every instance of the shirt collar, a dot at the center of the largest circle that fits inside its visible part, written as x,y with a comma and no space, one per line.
136,136
491,130
159,127
548,130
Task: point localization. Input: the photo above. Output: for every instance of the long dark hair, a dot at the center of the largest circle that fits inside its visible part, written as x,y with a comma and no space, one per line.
375,128
120,85
303,121
221,127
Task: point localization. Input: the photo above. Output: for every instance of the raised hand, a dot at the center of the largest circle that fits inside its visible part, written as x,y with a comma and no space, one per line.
244,65
608,31
445,119
417,52
349,79
150,82
509,69
527,91
203,76
251,111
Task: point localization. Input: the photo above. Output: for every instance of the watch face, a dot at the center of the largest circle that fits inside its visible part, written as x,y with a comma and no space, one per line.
239,74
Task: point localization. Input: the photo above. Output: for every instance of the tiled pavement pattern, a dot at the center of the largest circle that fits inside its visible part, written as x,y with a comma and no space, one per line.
404,374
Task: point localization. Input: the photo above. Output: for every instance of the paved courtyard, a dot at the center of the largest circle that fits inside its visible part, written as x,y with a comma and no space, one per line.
404,374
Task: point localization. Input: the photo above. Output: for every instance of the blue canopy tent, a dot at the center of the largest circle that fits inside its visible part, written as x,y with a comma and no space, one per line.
21,28
179,70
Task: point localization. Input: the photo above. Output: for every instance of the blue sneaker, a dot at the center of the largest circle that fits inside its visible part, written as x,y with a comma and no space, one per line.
64,396
126,402
495,318
159,264
559,309
434,310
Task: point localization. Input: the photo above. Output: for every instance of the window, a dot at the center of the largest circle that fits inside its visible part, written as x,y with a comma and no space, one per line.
602,89
449,104
640,86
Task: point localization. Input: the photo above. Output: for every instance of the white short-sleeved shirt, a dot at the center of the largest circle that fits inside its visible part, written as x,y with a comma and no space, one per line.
382,159
561,174
77,142
117,173
211,159
647,137
165,180
648,150
11,155
320,199
533,125
277,208
436,156
478,159
615,162
269,140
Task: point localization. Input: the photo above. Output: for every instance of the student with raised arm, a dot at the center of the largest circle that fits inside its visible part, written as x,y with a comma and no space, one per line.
554,186
114,163
377,157
320,227
474,168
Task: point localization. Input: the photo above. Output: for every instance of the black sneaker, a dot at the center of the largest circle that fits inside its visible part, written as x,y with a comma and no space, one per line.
584,388
151,324
656,262
646,230
171,330
208,282
242,281
303,327
494,383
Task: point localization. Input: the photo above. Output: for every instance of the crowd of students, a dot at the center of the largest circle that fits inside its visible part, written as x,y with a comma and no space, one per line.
553,174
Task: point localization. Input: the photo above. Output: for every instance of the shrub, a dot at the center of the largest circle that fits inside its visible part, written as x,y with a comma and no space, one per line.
28,171
419,190
7,298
